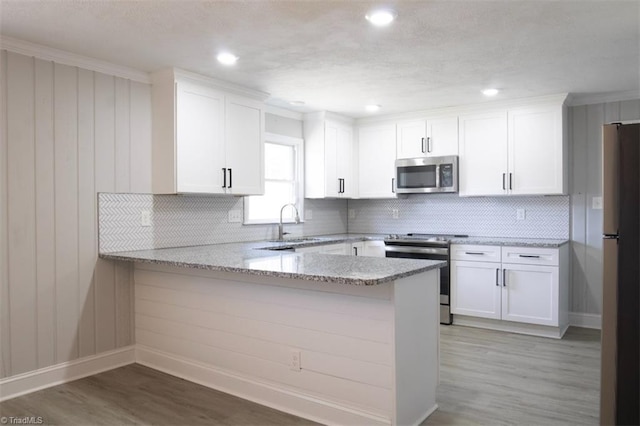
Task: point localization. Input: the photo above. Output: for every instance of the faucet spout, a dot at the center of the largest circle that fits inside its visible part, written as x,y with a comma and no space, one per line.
280,226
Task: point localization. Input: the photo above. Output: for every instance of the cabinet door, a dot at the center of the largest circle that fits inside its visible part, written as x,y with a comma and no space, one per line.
376,161
442,136
332,186
475,289
344,161
357,248
244,146
342,249
536,150
483,154
374,248
411,139
200,153
530,294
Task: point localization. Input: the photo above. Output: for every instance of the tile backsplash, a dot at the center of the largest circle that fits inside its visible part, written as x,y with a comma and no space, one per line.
545,216
184,220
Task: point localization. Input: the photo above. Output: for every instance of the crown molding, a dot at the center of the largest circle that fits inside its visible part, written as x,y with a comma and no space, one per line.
72,59
170,74
601,98
283,112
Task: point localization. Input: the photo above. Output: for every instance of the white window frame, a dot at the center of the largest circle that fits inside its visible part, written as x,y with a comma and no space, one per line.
298,145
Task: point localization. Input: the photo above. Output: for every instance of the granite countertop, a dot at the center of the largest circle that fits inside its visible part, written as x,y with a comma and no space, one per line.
255,259
514,242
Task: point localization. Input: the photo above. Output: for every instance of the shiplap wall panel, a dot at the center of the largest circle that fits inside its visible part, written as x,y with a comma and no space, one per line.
87,214
586,222
5,332
105,175
59,129
45,213
66,209
21,212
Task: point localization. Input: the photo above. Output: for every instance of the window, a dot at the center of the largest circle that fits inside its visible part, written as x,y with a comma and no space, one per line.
283,182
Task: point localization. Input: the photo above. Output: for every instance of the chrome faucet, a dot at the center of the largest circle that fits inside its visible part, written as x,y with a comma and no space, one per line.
297,219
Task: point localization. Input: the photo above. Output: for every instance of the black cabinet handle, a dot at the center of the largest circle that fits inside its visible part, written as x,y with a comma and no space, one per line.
224,177
429,144
424,149
474,253
530,256
510,180
355,249
497,275
504,278
230,178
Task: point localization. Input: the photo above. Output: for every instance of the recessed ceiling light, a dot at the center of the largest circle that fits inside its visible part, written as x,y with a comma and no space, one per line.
372,108
381,17
490,92
227,58
296,103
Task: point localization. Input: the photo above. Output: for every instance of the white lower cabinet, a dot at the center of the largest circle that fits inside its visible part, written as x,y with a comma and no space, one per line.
358,248
517,284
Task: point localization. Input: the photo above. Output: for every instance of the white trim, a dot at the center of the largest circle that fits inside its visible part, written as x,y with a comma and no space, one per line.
268,394
282,112
47,377
510,326
580,319
72,59
600,98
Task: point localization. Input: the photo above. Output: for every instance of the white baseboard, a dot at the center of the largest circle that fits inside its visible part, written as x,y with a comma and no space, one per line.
579,319
512,327
42,378
267,394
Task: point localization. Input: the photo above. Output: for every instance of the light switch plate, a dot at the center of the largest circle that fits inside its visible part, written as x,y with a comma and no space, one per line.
235,216
395,213
308,214
352,213
520,214
145,218
596,203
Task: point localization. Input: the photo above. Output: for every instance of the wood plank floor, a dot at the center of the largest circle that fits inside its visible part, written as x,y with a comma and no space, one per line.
487,377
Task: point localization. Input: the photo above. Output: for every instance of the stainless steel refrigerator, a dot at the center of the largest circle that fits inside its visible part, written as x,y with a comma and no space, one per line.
620,376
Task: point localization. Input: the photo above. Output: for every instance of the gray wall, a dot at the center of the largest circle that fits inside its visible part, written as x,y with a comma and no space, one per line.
586,182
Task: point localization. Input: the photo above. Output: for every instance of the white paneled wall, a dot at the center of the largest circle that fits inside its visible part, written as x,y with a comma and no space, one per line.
67,133
586,183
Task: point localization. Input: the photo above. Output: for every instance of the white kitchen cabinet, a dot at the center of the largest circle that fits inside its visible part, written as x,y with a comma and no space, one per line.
433,137
515,151
376,161
206,138
356,248
374,248
482,165
526,285
328,156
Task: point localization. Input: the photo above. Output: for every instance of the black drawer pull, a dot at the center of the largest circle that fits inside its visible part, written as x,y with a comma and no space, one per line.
474,253
532,256
497,274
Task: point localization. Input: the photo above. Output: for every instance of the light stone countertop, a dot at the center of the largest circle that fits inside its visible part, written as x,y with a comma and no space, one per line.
253,259
513,242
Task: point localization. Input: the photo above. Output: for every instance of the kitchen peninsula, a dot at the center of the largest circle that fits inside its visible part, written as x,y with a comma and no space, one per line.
336,339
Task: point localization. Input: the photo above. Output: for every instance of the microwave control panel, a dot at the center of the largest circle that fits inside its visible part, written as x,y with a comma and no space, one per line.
446,175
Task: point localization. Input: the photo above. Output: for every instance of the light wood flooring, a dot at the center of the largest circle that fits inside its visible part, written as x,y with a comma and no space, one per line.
487,377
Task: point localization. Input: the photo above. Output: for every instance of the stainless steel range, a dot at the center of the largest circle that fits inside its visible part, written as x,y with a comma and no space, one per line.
426,246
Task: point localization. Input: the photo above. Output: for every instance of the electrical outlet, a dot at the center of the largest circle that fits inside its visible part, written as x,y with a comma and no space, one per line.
352,213
235,216
520,214
294,360
308,214
395,213
145,218
596,203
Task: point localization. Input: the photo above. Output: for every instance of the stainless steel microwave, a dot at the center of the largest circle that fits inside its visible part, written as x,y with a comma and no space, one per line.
427,174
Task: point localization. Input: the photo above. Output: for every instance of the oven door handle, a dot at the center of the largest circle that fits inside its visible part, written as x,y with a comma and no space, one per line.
416,250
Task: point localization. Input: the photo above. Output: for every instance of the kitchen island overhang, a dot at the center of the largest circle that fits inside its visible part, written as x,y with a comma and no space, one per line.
352,342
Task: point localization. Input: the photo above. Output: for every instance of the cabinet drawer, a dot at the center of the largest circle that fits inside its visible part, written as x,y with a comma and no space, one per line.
478,253
530,256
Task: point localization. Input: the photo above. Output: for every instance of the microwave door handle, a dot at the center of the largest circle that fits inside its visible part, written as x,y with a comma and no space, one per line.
438,176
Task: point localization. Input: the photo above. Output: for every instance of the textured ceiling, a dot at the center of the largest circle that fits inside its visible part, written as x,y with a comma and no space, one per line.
437,53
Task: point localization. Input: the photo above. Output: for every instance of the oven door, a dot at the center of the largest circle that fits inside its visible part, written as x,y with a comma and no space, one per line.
428,253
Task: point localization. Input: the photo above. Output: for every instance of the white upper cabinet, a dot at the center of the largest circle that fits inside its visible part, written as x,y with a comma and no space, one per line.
376,161
515,151
482,166
536,150
206,139
433,137
328,156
